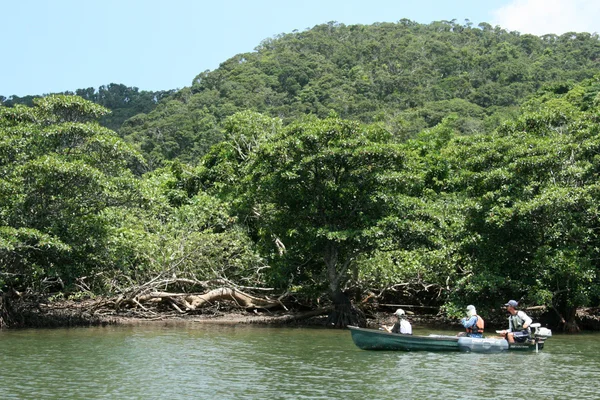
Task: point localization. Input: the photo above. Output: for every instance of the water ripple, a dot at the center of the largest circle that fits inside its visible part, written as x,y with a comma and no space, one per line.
212,362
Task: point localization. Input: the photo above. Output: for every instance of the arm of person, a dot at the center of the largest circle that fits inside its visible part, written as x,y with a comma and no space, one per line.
468,323
526,319
504,332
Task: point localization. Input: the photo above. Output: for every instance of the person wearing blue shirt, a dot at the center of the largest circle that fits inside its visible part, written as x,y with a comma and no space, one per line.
474,324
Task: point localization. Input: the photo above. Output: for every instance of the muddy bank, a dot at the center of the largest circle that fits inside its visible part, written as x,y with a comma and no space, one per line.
56,314
25,314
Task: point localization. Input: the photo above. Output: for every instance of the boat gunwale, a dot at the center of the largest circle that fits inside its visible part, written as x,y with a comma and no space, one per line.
404,336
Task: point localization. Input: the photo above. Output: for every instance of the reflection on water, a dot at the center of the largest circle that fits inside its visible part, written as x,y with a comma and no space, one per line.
225,362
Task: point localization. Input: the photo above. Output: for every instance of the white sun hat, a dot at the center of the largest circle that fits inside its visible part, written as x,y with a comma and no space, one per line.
399,312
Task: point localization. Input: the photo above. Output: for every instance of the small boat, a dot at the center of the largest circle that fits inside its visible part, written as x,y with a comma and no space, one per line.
371,339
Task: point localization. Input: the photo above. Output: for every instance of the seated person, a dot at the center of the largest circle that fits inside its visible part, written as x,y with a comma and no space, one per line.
473,325
402,325
518,324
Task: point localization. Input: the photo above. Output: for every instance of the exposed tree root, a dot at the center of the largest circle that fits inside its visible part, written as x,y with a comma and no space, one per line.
344,313
191,295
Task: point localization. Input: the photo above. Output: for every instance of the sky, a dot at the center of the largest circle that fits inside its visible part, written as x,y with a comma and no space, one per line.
58,45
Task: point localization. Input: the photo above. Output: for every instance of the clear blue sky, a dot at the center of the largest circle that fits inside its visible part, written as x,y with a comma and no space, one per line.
57,45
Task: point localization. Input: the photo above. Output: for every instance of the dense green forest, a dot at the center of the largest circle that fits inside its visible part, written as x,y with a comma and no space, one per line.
442,164
406,76
124,102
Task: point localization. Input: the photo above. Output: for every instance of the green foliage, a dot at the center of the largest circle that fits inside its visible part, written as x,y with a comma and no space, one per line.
453,183
73,204
56,180
26,253
173,131
180,231
478,218
61,108
123,102
318,195
405,75
530,190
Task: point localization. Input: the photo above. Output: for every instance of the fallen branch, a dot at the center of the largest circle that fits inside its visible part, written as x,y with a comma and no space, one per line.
142,307
176,307
242,299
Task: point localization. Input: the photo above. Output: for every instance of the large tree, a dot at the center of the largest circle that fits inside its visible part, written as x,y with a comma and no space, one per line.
319,195
59,170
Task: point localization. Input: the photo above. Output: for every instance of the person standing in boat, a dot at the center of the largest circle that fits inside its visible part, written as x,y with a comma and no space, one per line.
402,325
518,324
474,324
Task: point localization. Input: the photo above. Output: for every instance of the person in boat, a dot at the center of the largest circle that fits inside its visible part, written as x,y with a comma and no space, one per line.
474,324
402,325
518,324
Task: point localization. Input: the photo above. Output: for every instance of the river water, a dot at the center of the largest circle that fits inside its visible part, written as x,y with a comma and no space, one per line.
196,361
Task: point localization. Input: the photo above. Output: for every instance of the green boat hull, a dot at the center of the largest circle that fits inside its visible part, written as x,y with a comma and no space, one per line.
370,339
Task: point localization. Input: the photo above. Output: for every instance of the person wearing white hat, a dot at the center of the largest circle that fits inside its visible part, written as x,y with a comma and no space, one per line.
402,325
474,324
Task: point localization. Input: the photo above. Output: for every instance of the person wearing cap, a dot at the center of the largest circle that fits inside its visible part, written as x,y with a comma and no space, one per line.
402,325
518,324
474,324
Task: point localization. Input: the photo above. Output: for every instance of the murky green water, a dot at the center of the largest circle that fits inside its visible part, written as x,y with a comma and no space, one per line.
218,362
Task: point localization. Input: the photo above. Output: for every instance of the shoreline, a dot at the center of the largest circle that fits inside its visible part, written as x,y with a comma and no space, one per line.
310,319
82,314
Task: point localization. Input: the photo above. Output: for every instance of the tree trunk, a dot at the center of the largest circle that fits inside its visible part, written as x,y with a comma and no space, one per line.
567,318
343,313
3,313
571,323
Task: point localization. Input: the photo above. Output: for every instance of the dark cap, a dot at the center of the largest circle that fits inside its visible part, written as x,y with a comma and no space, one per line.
511,303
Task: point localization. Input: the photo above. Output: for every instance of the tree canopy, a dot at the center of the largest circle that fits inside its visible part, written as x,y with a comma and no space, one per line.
75,209
531,191
406,75
123,102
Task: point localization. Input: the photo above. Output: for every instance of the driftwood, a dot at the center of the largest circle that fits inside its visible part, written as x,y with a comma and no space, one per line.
195,301
242,299
191,294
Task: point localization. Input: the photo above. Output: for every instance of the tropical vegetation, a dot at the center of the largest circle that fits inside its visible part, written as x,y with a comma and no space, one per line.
441,164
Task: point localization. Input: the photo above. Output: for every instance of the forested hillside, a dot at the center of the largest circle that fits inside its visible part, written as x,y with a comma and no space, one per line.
405,75
437,164
123,102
